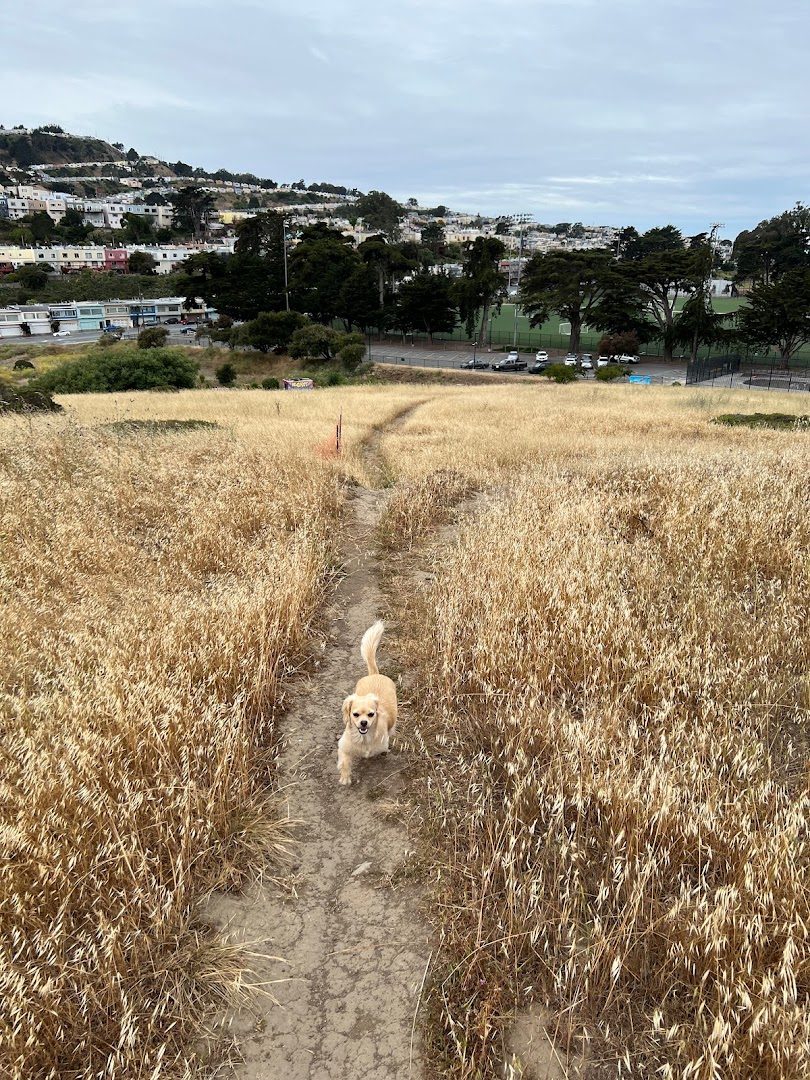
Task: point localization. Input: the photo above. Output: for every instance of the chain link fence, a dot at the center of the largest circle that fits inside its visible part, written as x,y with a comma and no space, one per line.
750,372
524,341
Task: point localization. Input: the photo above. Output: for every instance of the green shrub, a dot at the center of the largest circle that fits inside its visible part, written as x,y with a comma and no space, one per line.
317,342
103,371
330,377
609,373
226,375
271,384
352,355
106,341
560,373
153,337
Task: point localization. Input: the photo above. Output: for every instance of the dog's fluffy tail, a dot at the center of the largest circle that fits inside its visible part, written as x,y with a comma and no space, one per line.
368,646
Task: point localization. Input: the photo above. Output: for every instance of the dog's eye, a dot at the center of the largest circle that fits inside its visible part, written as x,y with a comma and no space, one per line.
371,714
355,714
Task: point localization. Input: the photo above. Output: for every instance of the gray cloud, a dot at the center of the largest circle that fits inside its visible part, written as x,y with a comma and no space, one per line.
614,111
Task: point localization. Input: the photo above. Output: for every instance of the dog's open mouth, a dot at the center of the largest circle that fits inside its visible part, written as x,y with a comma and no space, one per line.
363,730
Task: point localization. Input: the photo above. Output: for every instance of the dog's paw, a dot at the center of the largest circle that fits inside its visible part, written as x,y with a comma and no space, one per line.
345,780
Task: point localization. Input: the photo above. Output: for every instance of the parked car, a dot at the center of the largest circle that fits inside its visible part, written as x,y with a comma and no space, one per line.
511,362
603,361
113,330
626,358
172,320
188,330
571,360
538,367
61,333
586,361
476,364
541,356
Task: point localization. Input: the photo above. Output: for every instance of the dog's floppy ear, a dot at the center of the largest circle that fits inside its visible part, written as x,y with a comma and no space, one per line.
347,707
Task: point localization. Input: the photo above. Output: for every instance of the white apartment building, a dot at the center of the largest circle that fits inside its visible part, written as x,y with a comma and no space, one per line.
18,208
36,317
160,216
103,215
169,257
30,191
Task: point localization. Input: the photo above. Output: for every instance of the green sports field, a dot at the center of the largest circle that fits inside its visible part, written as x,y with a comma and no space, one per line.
554,333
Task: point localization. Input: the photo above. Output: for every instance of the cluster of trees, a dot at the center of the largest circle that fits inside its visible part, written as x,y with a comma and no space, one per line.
181,169
658,287
379,283
640,291
290,332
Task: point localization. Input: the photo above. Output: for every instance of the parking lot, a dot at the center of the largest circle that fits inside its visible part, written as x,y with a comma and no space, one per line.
658,370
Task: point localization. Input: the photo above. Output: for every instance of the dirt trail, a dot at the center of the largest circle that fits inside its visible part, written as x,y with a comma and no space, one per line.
354,947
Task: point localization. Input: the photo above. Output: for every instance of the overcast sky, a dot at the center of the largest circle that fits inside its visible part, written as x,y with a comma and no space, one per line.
601,111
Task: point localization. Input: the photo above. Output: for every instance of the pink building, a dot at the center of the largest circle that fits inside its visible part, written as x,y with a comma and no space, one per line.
116,259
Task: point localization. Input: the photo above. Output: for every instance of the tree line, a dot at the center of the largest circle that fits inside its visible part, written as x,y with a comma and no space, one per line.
655,287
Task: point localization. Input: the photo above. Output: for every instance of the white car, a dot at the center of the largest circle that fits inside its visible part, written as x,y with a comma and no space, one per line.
603,361
541,357
626,358
586,362
512,355
61,333
571,360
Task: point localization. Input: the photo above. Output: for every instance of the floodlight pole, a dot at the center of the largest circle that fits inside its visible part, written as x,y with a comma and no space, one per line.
716,227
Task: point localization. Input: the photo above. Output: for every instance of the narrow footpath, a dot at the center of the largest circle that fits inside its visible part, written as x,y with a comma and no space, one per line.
354,947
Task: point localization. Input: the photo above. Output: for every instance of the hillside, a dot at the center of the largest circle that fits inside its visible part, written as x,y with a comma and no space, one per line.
23,148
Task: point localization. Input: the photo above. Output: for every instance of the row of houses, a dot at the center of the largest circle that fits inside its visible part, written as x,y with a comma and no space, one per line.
64,258
21,200
36,320
69,259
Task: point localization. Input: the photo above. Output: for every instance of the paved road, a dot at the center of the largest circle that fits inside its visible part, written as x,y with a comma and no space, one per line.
83,337
407,354
387,354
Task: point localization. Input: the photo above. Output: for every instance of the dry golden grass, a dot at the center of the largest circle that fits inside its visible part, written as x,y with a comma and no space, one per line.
155,590
616,793
617,785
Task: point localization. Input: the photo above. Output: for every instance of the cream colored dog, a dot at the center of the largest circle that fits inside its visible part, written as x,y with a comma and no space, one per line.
370,712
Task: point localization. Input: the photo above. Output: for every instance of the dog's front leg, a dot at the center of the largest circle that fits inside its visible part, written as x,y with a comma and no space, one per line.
344,764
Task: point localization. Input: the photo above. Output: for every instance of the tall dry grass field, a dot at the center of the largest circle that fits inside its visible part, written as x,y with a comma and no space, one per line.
614,716
613,707
155,590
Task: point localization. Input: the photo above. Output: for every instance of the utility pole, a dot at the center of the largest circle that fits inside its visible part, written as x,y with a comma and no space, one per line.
284,245
521,220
